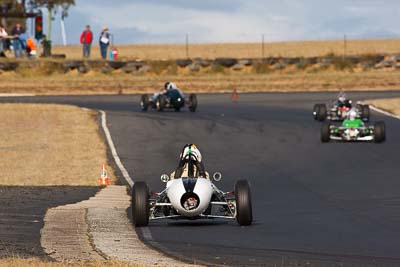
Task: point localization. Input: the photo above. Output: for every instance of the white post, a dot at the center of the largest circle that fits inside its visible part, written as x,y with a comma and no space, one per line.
262,47
187,45
63,32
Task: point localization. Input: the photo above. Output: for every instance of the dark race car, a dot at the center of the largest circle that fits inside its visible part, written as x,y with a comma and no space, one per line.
339,109
170,98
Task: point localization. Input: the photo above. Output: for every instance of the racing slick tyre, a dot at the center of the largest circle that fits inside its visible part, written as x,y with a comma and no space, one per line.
365,113
244,212
315,111
160,102
321,114
140,204
326,133
192,102
379,132
144,102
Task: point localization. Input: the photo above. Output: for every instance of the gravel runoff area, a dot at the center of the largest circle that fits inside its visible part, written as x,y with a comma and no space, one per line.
98,229
390,105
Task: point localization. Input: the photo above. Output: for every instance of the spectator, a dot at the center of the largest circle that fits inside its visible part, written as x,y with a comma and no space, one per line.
3,36
16,32
104,42
22,38
86,41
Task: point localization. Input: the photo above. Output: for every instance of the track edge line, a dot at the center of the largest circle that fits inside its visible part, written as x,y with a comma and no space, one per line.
384,112
114,153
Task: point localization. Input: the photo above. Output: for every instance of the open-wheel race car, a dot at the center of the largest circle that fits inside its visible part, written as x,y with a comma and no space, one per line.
191,196
339,109
169,98
353,129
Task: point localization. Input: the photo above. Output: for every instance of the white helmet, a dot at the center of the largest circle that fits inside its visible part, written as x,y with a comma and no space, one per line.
342,96
352,114
171,86
191,150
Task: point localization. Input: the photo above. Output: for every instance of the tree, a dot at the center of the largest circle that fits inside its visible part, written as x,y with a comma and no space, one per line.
12,12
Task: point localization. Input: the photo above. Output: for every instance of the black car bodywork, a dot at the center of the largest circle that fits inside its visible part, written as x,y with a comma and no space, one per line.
171,99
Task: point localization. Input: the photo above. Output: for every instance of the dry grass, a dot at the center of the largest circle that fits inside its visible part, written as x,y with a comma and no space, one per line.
18,262
262,78
97,83
391,105
50,145
243,50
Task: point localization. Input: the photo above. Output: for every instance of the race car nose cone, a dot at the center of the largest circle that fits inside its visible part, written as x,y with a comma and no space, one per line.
190,201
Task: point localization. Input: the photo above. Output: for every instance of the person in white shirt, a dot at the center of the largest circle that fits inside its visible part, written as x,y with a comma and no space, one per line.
104,42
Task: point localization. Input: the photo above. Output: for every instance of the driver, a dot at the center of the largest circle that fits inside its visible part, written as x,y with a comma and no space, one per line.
342,96
352,115
167,87
342,100
190,163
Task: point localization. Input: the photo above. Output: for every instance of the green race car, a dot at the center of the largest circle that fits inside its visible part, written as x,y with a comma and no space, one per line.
354,130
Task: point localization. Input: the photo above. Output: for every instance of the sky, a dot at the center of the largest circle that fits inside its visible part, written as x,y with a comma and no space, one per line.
216,21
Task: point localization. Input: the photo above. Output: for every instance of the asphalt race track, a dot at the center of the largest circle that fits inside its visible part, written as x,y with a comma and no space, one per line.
335,204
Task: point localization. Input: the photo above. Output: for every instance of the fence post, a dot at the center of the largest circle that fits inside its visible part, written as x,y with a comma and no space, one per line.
187,45
262,47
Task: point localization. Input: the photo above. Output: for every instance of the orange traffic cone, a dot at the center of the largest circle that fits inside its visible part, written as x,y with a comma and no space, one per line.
235,95
103,176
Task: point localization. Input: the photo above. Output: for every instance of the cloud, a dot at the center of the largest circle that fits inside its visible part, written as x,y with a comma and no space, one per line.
206,5
160,21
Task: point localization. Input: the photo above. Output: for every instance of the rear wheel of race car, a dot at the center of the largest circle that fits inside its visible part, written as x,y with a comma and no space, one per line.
326,133
177,109
160,102
379,132
365,113
321,115
315,111
244,212
140,204
192,102
144,102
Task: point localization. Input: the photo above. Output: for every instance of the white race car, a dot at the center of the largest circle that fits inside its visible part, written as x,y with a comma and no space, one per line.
191,198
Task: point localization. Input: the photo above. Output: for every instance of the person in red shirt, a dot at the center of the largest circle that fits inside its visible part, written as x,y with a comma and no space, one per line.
86,41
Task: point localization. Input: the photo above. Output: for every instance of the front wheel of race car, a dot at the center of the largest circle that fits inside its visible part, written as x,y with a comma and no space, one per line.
140,204
144,102
379,132
192,102
161,102
321,114
365,113
244,212
326,133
